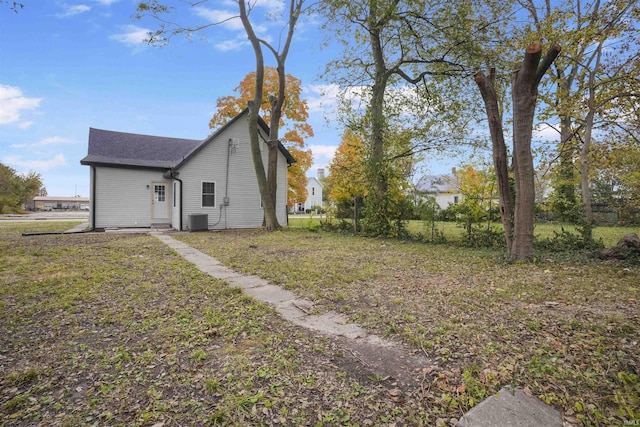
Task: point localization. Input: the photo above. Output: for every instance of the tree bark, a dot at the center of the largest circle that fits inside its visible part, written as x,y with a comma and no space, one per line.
499,148
524,91
586,146
277,102
274,130
378,200
270,217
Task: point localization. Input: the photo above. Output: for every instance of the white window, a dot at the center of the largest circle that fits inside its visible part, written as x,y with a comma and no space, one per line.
455,200
159,192
208,194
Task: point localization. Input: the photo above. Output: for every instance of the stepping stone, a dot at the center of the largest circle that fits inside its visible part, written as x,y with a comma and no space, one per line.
511,408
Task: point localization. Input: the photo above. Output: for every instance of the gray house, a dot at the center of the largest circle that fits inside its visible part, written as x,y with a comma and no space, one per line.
144,181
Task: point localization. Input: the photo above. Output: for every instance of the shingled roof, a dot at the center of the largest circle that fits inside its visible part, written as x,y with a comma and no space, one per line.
437,184
109,148
128,149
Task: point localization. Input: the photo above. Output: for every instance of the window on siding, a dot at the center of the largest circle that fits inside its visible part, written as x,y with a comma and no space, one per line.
313,191
208,194
455,200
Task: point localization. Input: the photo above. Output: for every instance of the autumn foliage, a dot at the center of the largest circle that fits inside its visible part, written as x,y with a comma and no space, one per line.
294,122
346,171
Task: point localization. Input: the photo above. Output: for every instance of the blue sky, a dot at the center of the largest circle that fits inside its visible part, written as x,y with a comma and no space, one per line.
69,65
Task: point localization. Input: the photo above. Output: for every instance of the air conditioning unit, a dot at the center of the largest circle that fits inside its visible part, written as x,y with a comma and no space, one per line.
198,222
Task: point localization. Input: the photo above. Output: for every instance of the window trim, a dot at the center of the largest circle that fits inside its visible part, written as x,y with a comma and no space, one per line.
202,193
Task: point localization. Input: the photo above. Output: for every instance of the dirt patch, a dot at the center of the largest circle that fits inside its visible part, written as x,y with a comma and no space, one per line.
395,364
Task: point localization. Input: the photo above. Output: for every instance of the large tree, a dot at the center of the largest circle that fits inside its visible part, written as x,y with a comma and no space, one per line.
267,178
404,53
17,190
346,179
524,94
488,90
594,84
295,114
346,183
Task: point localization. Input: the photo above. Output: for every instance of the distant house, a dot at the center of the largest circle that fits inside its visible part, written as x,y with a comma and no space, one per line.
442,188
50,203
143,180
314,197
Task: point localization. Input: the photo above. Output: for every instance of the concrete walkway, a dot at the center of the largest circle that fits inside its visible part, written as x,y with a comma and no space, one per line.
365,347
508,408
80,228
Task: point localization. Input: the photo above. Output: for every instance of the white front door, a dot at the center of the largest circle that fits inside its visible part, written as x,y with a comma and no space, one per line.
159,202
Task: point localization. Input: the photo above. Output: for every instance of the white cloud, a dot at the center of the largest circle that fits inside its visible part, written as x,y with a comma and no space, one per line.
323,150
37,165
270,4
322,97
53,140
71,10
133,35
322,155
12,102
106,2
546,132
24,125
228,45
226,19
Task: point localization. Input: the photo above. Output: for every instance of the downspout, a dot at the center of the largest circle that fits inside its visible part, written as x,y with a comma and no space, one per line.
225,201
172,174
180,181
93,198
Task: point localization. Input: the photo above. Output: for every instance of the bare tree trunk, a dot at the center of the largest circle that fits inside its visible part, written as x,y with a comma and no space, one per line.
586,146
277,103
500,161
269,183
524,92
378,200
270,217
274,129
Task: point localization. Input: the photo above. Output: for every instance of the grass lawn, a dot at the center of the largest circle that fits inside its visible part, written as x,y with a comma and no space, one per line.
454,233
104,329
567,332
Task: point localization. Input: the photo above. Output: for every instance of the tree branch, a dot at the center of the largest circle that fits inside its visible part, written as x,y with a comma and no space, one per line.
551,55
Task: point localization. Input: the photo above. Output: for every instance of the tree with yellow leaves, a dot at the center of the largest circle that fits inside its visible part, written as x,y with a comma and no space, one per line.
346,178
294,111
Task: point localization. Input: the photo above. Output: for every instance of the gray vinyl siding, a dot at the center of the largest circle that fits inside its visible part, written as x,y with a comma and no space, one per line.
122,198
210,164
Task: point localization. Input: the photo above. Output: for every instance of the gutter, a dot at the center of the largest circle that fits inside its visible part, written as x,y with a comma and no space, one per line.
93,198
